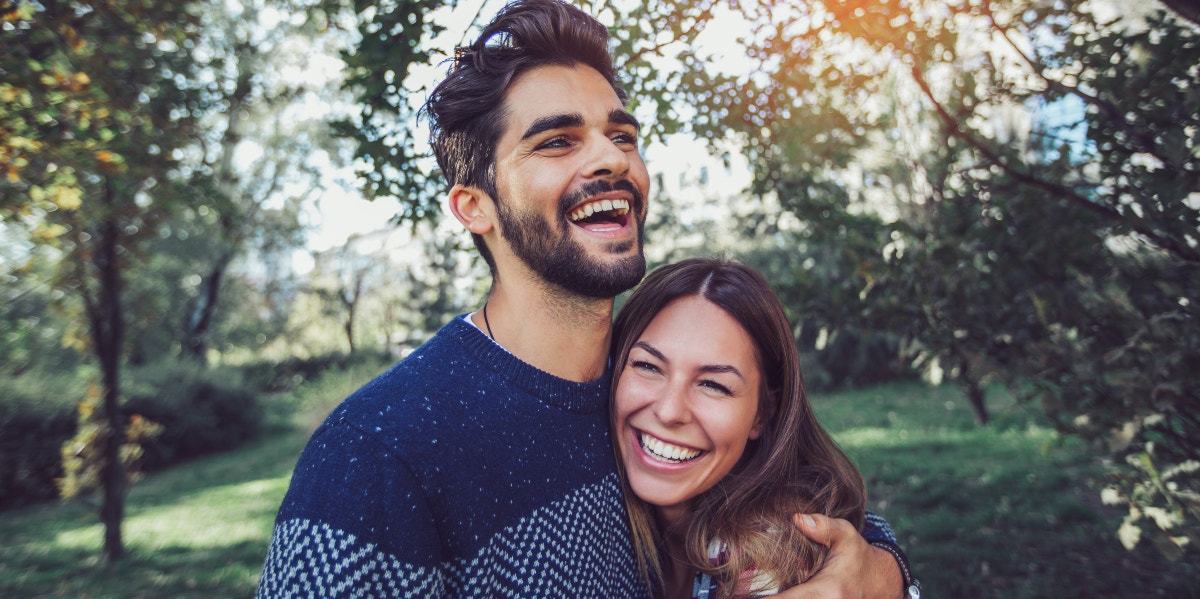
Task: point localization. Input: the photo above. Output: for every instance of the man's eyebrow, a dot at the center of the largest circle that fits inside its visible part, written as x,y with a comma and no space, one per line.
555,121
620,117
565,121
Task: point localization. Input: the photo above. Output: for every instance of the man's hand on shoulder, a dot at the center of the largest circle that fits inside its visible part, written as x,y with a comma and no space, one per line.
854,569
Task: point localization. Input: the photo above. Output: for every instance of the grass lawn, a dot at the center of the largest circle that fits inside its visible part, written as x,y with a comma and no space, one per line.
198,530
999,512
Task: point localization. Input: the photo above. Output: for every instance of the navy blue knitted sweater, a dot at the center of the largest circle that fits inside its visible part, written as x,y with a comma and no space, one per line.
461,471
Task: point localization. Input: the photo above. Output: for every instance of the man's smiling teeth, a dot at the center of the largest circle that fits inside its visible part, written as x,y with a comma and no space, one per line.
666,451
618,207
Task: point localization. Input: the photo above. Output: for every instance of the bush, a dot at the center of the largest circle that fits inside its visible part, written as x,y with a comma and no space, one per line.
201,410
37,415
276,377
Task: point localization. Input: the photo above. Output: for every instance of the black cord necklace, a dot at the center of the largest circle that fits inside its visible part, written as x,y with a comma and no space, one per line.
486,323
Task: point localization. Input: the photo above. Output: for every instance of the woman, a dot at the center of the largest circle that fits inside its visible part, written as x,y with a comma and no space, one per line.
717,446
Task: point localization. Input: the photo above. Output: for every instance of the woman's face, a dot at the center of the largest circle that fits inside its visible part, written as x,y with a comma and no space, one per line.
686,403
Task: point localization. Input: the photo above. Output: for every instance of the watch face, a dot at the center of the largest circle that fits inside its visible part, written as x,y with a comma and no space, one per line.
914,592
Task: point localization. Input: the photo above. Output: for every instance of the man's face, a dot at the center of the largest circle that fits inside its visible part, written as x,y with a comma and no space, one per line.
570,182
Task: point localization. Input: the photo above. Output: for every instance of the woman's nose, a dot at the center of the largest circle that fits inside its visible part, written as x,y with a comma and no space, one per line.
671,407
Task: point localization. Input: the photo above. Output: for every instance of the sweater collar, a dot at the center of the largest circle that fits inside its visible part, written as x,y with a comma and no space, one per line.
552,390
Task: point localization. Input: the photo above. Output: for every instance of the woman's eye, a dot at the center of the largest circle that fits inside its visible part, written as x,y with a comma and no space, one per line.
715,386
643,366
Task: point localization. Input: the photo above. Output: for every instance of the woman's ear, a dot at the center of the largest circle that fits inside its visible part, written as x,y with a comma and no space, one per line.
472,207
764,413
756,428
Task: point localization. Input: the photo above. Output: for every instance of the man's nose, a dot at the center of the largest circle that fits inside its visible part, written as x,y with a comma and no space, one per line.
606,158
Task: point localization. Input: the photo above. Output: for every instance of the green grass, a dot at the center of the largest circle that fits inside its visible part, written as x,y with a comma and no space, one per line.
198,531
1003,511
999,512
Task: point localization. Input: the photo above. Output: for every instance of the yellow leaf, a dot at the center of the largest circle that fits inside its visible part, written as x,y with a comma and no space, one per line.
49,231
24,143
68,198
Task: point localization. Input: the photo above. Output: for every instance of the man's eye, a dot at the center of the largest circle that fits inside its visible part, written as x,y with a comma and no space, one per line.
554,143
625,138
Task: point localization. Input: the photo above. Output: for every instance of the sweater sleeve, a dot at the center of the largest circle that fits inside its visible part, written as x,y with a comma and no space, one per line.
355,522
877,529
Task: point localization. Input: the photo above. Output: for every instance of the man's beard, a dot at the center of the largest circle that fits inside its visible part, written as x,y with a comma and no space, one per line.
563,262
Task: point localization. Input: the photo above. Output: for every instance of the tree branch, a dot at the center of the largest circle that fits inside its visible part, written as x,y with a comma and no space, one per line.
1056,189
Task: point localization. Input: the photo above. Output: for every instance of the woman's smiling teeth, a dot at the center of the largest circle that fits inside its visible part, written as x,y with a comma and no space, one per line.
667,452
616,207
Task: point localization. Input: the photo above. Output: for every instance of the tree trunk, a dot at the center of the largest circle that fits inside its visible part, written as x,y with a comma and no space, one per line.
107,331
349,328
200,317
975,393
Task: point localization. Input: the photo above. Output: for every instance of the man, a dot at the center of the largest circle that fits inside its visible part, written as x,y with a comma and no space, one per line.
479,466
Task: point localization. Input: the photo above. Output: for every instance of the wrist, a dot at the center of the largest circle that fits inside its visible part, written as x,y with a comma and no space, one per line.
911,586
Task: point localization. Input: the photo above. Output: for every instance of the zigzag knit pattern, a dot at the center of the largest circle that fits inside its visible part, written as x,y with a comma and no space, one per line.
332,563
549,554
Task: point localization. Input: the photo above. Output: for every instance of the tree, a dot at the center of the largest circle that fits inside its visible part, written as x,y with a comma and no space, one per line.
92,117
265,149
1017,180
1043,161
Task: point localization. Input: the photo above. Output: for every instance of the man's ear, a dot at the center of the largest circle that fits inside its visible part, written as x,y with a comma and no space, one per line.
473,208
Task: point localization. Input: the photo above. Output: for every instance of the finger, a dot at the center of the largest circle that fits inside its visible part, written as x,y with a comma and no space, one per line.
823,529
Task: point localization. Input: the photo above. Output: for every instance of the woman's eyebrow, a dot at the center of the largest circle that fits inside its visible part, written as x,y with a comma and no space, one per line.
721,369
651,350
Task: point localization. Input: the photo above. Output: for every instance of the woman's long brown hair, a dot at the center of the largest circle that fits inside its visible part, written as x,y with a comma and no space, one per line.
793,467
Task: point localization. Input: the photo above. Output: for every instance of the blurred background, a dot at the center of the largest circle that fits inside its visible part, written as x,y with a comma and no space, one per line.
219,218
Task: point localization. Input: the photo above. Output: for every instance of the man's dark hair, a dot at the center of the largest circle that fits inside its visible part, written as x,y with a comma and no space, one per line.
465,110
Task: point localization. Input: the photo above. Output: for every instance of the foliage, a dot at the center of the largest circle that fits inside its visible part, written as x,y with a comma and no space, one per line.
95,112
289,374
393,38
141,154
972,505
82,454
50,426
201,410
1035,166
37,414
308,404
265,151
33,318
